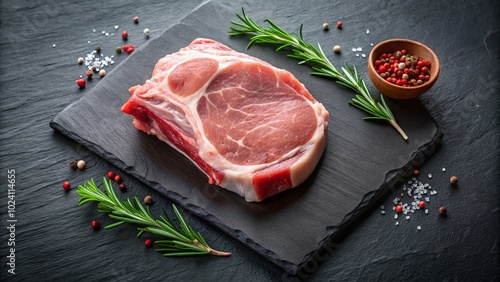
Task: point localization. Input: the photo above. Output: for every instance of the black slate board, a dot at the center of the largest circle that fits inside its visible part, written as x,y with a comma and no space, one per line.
362,161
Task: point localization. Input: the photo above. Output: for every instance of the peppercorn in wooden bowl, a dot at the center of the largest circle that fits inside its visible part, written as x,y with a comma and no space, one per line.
403,68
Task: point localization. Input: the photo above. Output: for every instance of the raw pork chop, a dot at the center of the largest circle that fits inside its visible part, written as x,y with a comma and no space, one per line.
250,127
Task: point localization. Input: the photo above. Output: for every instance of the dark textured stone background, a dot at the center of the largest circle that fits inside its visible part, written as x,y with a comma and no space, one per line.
53,238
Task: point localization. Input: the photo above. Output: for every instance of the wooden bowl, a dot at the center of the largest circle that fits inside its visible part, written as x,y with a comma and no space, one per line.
414,48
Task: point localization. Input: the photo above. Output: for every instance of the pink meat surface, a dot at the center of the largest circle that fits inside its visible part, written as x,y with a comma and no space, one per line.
250,127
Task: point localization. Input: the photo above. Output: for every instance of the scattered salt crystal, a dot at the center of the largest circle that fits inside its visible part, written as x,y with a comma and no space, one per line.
417,191
357,55
88,42
382,207
354,50
363,55
397,223
367,31
91,60
419,228
106,34
93,30
359,49
116,27
53,45
382,211
444,169
371,44
103,32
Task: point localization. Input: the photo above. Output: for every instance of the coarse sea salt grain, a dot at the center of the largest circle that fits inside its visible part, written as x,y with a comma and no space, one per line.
443,169
417,192
354,50
116,27
367,31
429,175
359,49
363,55
382,211
91,60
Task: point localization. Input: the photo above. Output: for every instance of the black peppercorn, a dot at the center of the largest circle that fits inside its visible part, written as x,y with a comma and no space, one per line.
443,211
73,164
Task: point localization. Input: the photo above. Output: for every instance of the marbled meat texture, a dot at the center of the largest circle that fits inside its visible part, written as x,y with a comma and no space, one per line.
250,127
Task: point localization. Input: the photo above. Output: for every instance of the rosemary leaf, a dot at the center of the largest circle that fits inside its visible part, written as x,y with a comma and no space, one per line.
306,53
113,225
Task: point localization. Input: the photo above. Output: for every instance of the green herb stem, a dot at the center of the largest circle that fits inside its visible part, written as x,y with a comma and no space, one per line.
183,241
306,53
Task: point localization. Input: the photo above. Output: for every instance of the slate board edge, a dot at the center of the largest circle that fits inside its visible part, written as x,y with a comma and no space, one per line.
392,178
333,232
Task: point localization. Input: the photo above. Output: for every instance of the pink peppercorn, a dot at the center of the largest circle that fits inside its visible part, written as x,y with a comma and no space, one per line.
111,175
399,209
66,185
421,204
95,224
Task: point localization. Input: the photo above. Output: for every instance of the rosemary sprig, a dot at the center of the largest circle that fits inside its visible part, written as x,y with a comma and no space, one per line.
308,54
183,241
